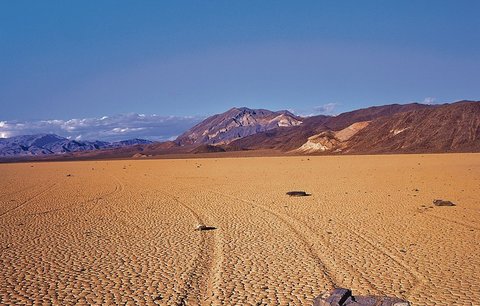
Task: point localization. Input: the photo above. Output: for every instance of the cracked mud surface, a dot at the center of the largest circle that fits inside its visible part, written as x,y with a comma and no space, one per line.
123,232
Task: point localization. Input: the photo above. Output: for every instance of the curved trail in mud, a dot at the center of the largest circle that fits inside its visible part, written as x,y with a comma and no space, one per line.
295,226
454,221
29,200
198,287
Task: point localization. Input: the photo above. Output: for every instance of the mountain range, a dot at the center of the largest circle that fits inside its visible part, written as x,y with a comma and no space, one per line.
396,128
409,128
47,144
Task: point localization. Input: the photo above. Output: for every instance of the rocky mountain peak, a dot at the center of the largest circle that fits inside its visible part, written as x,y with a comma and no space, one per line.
237,122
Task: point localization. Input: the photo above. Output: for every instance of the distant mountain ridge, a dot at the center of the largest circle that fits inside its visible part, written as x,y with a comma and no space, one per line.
236,123
396,128
408,128
46,144
291,138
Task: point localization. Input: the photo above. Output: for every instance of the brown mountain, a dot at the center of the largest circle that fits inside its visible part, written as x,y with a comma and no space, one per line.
442,128
206,148
234,124
410,129
284,138
370,113
288,139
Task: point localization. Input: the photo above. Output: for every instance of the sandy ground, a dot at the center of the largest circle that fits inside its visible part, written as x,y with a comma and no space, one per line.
121,232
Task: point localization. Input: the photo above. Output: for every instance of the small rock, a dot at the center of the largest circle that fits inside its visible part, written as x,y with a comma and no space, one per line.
203,227
443,203
297,193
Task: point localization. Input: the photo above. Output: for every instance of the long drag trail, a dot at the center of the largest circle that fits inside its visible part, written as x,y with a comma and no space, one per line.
122,232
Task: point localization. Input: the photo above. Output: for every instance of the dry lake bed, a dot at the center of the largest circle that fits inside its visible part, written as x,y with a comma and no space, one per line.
123,232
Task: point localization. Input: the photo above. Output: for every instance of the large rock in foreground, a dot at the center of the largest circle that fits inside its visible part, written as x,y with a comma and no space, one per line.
344,297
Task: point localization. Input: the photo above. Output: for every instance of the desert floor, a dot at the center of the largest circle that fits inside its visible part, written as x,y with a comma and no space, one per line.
122,232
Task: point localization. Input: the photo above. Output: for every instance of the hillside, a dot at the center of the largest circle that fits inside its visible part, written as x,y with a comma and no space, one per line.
236,123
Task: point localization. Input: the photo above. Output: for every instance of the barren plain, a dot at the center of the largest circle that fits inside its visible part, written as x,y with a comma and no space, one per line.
122,232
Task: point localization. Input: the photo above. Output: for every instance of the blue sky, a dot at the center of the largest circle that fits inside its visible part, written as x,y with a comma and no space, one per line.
87,59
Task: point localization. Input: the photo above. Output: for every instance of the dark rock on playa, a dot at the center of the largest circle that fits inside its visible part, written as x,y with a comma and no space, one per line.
344,297
443,203
203,227
297,193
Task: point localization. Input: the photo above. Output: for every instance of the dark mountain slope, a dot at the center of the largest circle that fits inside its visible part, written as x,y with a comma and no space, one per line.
443,128
287,139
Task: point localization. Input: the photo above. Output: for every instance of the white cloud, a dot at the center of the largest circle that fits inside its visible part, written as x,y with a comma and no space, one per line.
107,128
429,100
324,109
126,130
